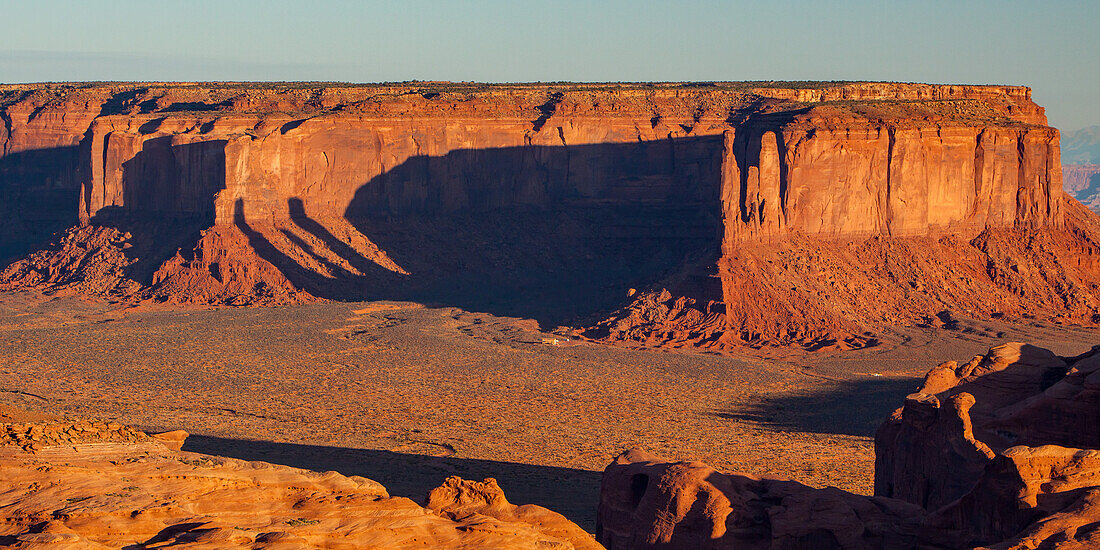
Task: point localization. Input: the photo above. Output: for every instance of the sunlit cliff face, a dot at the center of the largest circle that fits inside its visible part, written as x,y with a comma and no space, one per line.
536,201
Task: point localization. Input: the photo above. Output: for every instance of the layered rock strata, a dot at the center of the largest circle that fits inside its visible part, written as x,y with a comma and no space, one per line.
999,453
559,198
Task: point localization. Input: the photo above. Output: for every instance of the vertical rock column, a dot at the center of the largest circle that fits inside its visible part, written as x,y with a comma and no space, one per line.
1039,197
752,201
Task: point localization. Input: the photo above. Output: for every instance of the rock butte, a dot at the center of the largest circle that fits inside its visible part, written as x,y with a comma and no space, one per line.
747,213
1001,452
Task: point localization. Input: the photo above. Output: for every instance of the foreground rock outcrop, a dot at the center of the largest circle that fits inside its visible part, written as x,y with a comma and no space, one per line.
98,485
741,213
1012,404
1002,452
649,502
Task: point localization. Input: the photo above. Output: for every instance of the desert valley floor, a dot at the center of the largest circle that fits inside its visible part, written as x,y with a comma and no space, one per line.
407,394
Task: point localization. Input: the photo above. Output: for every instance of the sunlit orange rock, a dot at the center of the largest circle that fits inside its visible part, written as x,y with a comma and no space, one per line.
101,485
811,214
1001,452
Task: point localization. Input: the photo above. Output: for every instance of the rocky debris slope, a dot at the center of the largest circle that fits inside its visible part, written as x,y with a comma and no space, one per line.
552,202
840,293
95,485
1001,452
102,260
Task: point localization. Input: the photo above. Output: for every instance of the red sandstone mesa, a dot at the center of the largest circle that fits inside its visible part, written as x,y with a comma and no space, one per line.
999,453
746,213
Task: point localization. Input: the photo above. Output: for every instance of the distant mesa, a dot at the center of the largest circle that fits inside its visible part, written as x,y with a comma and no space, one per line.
1082,182
1081,165
804,213
1081,146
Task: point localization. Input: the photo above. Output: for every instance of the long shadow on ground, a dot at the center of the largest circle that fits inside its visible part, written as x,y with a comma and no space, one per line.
573,493
846,408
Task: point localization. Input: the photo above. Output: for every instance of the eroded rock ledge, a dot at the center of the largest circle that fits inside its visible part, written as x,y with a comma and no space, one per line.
1001,452
84,485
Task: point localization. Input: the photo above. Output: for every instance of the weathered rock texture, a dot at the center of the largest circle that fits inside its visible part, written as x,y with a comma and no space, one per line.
94,485
933,450
470,501
552,201
647,502
999,453
1006,443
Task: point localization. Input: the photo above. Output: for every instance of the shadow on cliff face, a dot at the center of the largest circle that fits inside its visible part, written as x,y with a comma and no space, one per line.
854,407
556,234
166,200
572,493
559,234
38,190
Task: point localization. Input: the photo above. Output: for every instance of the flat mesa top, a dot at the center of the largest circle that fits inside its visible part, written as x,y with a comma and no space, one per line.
442,84
714,102
800,89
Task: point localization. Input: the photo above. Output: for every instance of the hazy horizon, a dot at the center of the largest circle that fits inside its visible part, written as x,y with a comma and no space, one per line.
1049,47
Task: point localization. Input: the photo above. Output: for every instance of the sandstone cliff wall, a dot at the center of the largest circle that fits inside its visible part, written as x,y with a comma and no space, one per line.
866,179
811,159
347,167
337,188
810,172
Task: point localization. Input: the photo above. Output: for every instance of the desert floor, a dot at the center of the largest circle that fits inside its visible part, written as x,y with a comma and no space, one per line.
408,395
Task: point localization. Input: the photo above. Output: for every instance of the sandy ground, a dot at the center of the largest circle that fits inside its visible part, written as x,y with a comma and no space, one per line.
407,395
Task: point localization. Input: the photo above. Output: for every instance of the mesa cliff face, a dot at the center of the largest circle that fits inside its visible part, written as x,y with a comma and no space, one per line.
816,177
540,201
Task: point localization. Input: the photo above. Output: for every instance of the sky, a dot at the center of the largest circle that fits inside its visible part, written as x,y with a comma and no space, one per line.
1053,46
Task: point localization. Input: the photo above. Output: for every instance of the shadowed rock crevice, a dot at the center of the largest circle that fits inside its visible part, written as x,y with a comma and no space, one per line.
546,110
37,197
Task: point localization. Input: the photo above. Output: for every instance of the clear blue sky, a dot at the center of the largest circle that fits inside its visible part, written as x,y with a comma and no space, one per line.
1051,46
